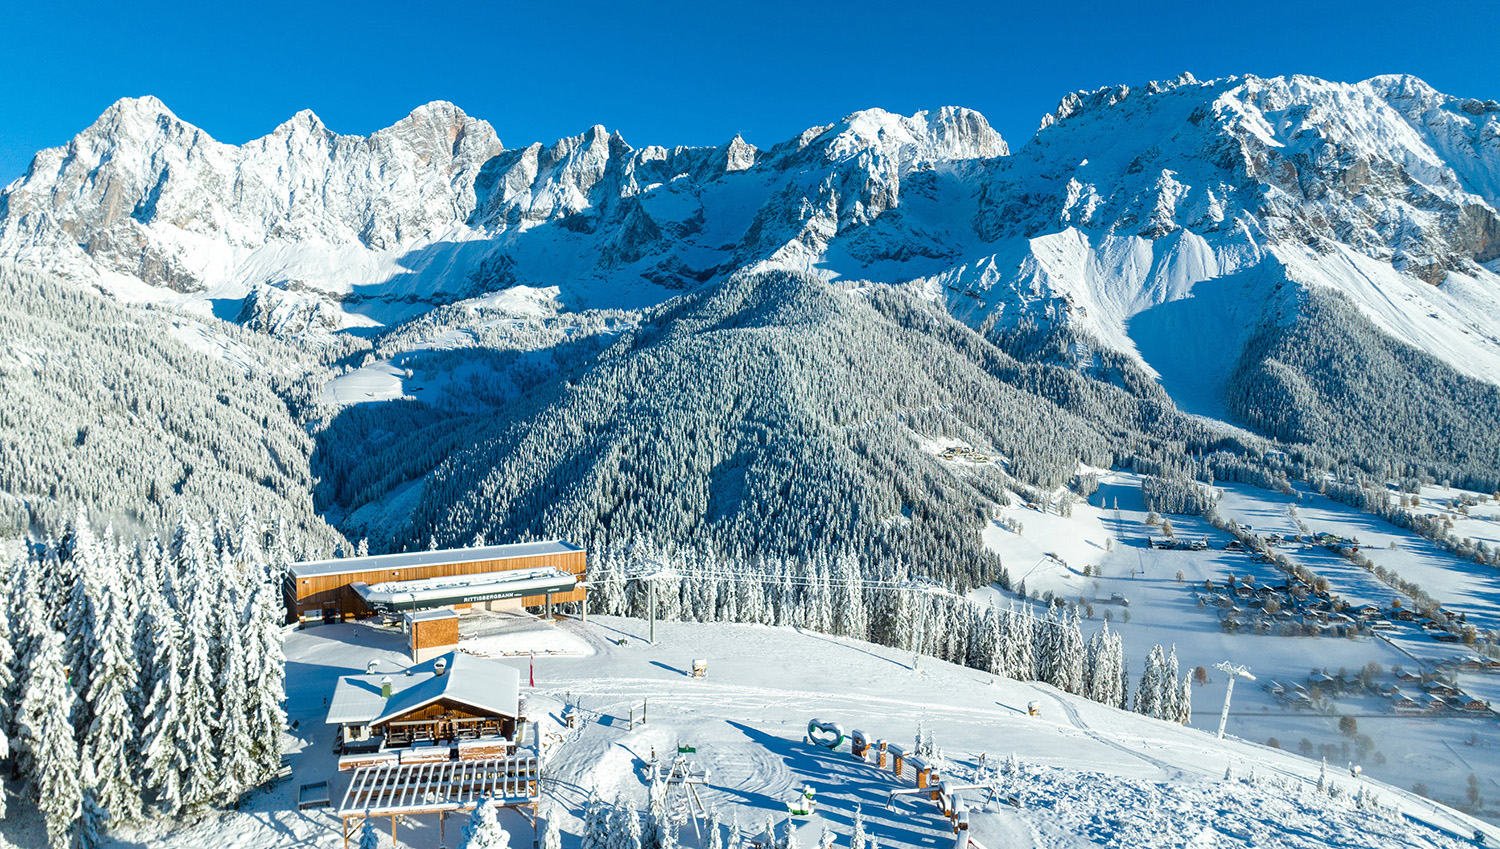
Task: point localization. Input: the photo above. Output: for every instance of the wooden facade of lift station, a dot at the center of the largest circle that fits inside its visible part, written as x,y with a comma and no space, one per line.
515,576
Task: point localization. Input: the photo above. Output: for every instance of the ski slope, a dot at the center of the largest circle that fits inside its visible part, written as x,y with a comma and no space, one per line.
1086,774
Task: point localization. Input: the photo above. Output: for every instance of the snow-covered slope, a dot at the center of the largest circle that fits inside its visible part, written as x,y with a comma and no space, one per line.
1127,199
1169,222
1083,774
306,231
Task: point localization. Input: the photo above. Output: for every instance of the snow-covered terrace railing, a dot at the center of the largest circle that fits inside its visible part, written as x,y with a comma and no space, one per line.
441,788
415,788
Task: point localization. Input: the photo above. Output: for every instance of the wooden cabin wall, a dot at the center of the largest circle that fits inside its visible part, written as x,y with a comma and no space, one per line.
322,592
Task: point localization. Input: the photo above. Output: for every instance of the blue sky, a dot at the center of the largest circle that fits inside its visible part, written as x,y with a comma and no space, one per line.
682,72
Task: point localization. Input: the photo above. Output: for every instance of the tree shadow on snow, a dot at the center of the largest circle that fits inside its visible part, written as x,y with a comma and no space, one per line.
842,782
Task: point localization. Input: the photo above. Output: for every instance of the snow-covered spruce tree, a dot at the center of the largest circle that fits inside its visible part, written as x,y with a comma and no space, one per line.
51,766
369,838
31,623
552,834
857,835
166,762
1106,667
625,827
83,575
199,720
658,832
596,823
93,820
1020,645
7,677
714,829
1070,660
236,745
1171,687
266,666
1148,697
110,746
736,833
484,830
850,616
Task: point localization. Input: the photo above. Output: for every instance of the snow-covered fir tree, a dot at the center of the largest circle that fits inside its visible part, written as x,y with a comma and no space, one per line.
50,752
484,830
369,837
110,744
857,835
596,824
552,834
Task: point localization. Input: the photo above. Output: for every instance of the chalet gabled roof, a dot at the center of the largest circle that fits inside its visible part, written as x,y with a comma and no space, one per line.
488,686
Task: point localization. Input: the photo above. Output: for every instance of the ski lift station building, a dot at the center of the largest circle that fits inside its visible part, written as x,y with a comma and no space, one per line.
495,577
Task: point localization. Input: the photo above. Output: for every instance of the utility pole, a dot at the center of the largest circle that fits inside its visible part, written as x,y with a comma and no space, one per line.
651,606
916,654
1235,671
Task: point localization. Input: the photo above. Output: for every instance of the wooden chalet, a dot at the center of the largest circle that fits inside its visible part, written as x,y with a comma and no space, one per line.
1440,688
1403,703
452,707
529,574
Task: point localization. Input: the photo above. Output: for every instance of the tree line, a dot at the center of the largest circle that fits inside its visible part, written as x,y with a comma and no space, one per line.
143,677
834,595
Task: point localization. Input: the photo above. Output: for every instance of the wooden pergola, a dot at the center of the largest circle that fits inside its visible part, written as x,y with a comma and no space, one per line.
397,790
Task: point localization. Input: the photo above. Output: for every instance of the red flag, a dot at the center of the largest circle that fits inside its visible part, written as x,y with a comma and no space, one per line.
533,670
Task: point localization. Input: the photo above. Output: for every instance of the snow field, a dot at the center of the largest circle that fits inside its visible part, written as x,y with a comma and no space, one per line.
1431,750
1088,774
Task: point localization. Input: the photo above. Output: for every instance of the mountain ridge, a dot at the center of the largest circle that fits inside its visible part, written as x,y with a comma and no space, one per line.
1166,225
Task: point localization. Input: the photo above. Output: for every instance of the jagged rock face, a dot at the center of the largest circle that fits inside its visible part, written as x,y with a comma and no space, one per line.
1126,199
149,196
145,195
1389,167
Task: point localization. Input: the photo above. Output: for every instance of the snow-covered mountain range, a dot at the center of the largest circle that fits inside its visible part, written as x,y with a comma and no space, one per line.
1127,199
1261,247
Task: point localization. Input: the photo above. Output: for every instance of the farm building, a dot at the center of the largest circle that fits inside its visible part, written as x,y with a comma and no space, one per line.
452,706
529,574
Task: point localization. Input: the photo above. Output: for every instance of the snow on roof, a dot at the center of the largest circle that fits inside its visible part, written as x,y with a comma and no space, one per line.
486,684
431,615
409,559
448,582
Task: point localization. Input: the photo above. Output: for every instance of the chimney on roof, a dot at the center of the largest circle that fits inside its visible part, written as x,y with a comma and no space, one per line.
385,687
440,665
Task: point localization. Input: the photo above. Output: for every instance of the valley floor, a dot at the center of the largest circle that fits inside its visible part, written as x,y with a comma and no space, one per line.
1108,536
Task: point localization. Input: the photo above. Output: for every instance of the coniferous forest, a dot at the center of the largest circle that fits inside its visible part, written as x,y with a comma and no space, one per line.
143,677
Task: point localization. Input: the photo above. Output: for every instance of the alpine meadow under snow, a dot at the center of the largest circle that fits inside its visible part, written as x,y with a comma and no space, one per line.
878,388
